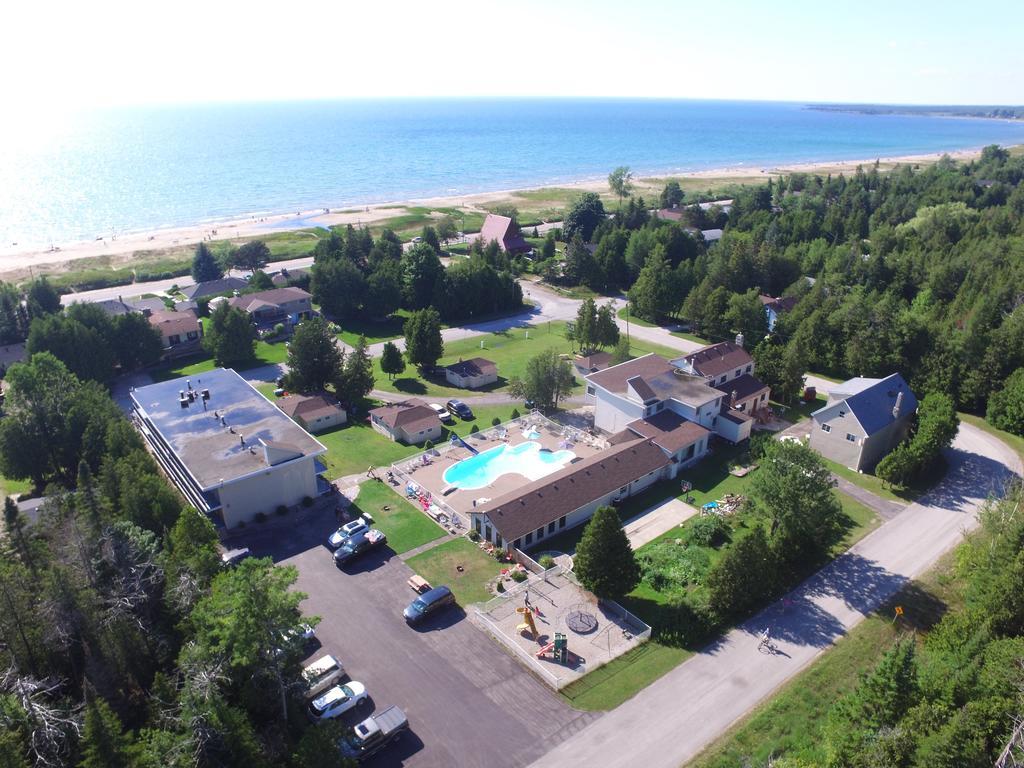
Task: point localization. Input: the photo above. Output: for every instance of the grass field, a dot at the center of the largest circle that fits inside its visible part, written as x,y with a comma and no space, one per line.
440,565
405,526
871,483
266,354
9,487
790,724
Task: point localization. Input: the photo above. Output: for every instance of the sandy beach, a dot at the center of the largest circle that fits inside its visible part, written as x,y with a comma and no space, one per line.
16,262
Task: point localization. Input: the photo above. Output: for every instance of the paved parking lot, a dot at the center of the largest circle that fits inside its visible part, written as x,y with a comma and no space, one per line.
468,702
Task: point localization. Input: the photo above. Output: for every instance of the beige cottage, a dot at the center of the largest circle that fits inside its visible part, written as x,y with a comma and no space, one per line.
315,413
472,374
409,422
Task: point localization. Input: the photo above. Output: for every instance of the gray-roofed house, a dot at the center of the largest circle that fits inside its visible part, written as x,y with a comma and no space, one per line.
278,305
230,451
472,374
214,287
314,413
729,368
115,307
410,421
570,496
863,420
148,305
649,385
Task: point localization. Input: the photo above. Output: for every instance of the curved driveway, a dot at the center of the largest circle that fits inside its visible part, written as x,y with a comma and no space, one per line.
674,719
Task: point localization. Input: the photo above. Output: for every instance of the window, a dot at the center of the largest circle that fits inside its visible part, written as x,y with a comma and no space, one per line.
826,428
192,335
749,368
591,390
529,539
738,372
851,438
487,532
722,380
517,543
561,522
842,413
479,525
622,490
551,527
175,339
540,533
764,397
714,422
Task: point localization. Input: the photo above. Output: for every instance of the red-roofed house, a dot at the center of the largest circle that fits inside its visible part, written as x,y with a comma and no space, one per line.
505,232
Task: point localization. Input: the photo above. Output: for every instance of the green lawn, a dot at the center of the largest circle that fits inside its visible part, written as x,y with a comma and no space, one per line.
405,526
791,723
266,354
10,487
440,566
871,483
374,331
799,411
356,446
1016,442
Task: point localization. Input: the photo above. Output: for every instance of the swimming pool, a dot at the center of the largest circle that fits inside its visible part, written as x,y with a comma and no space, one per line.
526,459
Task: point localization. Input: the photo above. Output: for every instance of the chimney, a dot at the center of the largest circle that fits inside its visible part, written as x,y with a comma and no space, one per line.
739,340
896,408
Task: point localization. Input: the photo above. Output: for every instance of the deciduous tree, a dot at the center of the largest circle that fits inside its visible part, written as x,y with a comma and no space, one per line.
621,182
583,217
252,256
230,336
391,360
547,380
1006,407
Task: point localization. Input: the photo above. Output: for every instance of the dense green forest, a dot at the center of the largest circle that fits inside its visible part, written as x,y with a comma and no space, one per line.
123,641
919,271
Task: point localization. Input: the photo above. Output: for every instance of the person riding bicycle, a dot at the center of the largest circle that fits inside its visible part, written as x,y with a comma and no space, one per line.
766,639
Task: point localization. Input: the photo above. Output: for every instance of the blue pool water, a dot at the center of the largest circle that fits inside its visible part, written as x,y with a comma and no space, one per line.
526,459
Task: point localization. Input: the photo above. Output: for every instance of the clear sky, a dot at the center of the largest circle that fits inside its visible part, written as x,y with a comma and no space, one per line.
68,52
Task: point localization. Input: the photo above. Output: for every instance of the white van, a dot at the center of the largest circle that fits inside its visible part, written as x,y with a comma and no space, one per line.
322,674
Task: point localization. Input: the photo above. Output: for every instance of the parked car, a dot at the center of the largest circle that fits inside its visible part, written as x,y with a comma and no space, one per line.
233,557
322,674
348,530
358,545
442,413
337,701
374,733
460,409
417,239
428,604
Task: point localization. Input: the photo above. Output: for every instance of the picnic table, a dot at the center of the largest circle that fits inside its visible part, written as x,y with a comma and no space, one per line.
418,584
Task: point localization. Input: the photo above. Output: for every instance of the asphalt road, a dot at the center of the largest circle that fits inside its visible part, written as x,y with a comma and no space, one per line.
675,718
468,702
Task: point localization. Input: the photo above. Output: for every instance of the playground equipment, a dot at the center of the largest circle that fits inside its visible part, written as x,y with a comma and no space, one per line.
559,649
528,624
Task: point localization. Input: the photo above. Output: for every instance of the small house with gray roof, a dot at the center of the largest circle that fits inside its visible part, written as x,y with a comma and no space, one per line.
410,421
863,420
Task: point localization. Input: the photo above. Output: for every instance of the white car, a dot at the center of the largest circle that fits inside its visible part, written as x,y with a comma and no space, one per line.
442,413
337,701
348,530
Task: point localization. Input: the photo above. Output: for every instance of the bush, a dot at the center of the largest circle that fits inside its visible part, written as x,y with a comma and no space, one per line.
282,509
668,567
495,421
428,445
474,429
261,517
474,535
279,329
515,413
501,586
758,440
546,561
708,531
518,576
307,501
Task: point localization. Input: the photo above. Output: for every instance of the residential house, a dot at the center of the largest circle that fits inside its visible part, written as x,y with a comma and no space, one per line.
214,287
863,420
227,448
711,236
646,386
286,276
149,305
314,413
180,332
115,307
729,368
472,374
775,307
411,421
505,232
278,305
593,363
570,496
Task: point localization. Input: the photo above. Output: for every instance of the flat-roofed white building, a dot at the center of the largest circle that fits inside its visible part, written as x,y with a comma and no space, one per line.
229,450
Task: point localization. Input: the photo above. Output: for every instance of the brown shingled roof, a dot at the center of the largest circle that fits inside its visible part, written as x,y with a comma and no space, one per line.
308,406
744,386
411,415
668,430
545,500
476,366
274,297
716,359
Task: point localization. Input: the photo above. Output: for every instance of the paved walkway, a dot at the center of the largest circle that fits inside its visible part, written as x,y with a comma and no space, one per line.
675,718
429,545
885,508
655,520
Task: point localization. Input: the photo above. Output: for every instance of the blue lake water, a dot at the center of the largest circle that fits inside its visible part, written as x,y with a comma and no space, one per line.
144,168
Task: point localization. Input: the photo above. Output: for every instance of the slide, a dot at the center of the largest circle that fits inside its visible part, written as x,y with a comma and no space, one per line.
467,446
545,650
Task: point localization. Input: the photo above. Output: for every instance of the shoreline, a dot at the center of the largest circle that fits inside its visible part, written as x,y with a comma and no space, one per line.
15,260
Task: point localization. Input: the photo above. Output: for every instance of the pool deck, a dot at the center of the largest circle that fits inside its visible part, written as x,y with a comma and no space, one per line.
431,476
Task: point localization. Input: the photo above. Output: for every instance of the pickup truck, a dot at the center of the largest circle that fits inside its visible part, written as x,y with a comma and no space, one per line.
374,733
